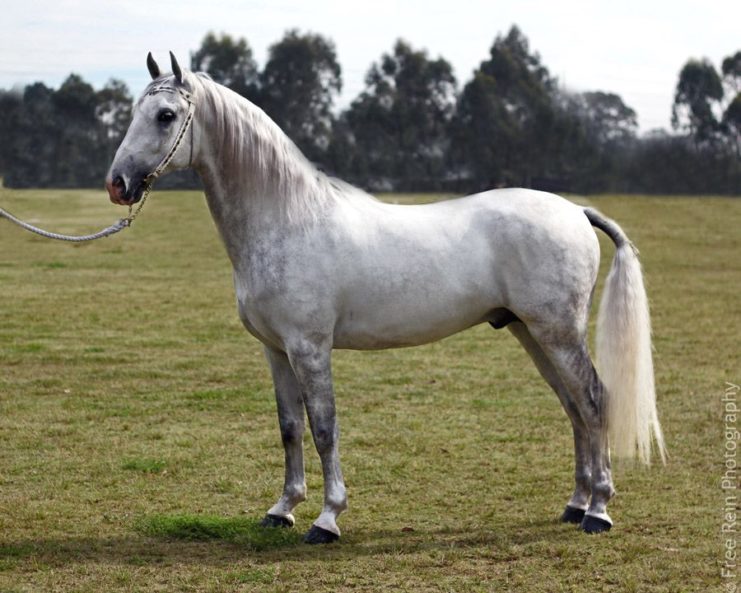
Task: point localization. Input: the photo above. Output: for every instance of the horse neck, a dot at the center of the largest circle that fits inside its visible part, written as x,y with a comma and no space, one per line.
254,176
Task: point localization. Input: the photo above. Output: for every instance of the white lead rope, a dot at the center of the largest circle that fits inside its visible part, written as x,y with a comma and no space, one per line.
124,222
114,228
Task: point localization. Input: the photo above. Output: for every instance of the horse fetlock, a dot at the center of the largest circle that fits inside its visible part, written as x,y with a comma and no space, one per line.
292,496
327,521
580,499
295,493
335,499
281,511
338,504
583,489
602,491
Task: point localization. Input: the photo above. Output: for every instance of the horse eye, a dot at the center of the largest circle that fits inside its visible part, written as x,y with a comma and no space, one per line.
165,116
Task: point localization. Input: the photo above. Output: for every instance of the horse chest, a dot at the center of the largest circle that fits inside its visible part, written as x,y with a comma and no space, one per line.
254,317
278,293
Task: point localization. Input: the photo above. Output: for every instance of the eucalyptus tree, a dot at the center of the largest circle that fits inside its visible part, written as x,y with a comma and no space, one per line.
731,69
298,87
399,123
507,127
697,99
228,61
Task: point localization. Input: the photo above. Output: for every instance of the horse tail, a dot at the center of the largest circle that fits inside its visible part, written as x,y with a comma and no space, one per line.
624,358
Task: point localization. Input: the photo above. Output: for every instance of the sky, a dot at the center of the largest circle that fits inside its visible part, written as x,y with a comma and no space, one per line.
634,48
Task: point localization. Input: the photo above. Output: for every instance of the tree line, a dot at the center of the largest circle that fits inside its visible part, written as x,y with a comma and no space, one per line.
412,128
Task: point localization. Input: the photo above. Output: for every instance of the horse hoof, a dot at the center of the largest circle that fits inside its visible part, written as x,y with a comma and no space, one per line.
592,524
275,521
572,515
317,535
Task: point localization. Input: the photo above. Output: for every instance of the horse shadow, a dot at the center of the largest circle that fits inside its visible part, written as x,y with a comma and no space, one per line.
141,550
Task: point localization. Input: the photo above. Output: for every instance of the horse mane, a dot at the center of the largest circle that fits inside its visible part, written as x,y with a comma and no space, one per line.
253,151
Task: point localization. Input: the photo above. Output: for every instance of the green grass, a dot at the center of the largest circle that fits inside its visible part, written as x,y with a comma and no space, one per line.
242,531
151,466
139,442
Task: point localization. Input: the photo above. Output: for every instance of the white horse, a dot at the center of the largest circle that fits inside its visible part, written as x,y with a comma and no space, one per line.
319,264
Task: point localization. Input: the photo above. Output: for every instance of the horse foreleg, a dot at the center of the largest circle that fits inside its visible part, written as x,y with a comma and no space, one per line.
579,501
291,420
312,365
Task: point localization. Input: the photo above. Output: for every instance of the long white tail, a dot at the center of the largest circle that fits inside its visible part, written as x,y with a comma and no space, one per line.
624,358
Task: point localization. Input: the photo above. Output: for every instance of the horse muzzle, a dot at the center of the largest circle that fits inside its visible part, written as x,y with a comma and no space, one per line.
122,193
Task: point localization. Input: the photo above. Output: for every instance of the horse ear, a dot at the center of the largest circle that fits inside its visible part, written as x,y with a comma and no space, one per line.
176,70
154,69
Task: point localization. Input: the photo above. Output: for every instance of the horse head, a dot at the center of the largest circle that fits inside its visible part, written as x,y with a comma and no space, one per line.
157,131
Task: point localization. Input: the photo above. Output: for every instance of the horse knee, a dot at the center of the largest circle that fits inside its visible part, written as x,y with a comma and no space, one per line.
291,431
325,438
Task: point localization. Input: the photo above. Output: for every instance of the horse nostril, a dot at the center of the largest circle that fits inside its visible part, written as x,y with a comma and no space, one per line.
116,188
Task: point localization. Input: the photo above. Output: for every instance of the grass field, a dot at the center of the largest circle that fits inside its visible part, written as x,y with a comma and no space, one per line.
139,442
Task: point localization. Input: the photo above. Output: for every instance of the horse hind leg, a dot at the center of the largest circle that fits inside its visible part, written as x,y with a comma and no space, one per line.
570,358
579,501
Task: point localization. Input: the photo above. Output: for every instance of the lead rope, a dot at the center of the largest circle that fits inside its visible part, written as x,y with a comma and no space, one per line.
114,228
124,222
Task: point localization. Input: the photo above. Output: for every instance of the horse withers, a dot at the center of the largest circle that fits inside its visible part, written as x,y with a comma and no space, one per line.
319,264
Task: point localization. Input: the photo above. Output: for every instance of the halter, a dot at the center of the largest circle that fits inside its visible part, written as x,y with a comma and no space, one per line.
148,180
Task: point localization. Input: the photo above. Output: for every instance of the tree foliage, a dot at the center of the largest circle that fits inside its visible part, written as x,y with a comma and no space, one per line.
229,62
398,124
410,129
298,87
731,69
512,94
64,137
699,91
607,118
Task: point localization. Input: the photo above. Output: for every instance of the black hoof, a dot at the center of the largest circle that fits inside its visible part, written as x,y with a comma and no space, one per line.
275,521
317,535
572,515
592,524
